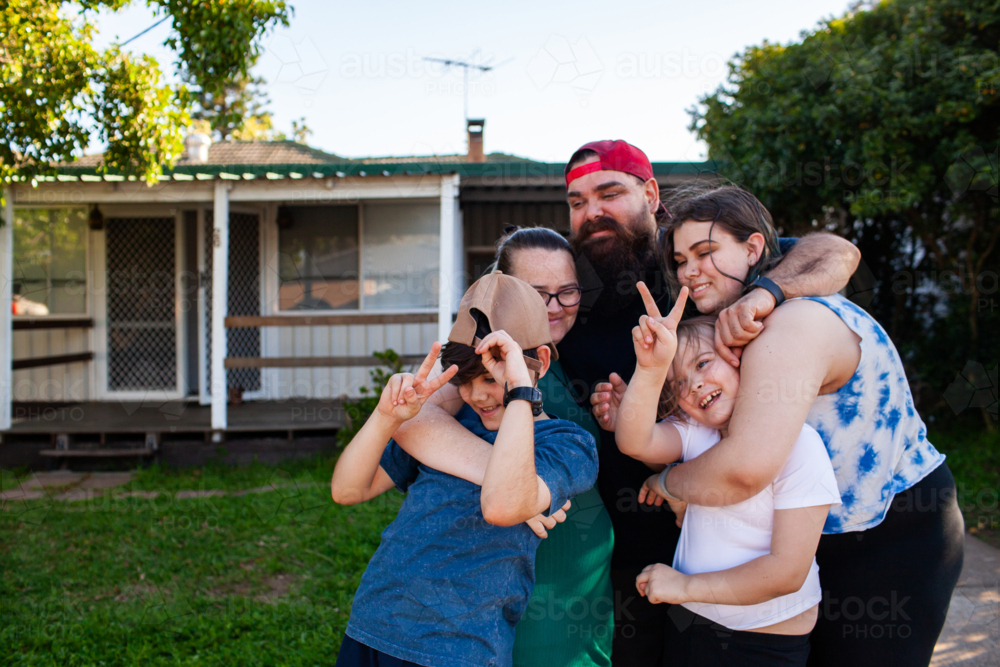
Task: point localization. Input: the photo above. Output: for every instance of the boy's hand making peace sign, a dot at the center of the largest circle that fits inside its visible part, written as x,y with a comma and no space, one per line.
655,339
404,394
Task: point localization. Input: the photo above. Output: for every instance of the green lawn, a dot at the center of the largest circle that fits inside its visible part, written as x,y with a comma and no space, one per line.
264,578
974,459
260,579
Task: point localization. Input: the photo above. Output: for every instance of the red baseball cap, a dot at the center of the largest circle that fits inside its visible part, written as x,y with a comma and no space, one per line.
614,155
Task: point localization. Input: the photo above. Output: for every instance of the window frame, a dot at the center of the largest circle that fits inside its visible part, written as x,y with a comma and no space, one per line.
360,310
276,309
87,264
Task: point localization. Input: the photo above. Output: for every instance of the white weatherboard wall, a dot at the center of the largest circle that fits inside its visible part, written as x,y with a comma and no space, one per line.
63,382
341,341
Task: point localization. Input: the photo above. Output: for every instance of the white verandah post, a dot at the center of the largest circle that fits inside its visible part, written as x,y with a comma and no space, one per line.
6,299
220,302
449,280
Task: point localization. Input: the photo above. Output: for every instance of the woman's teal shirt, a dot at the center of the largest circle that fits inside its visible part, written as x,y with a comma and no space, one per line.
570,616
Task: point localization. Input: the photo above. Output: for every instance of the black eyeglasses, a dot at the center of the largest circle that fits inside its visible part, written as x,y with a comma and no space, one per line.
566,298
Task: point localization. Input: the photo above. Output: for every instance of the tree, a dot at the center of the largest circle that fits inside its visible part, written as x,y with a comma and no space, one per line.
235,111
884,125
58,93
239,111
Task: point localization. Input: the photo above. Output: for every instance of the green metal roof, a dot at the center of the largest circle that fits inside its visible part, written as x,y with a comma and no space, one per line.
519,170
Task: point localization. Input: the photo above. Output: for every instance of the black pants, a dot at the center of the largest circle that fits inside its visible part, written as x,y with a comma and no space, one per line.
712,645
886,590
355,654
646,634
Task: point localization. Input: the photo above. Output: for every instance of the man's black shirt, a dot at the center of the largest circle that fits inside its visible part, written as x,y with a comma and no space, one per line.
600,343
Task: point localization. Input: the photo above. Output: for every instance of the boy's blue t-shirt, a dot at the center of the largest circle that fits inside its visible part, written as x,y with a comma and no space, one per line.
445,588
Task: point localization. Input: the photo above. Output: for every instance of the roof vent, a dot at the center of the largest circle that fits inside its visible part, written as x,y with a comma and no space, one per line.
196,147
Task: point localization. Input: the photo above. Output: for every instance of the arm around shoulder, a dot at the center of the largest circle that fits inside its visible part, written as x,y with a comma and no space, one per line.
782,372
819,264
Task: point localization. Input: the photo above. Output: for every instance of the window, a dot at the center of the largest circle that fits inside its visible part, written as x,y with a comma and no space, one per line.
318,258
50,261
322,267
401,256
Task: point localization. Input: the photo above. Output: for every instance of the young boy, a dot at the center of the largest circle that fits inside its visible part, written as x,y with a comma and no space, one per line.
748,570
454,571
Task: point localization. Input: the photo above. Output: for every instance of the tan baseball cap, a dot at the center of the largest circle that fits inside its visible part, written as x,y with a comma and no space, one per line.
510,305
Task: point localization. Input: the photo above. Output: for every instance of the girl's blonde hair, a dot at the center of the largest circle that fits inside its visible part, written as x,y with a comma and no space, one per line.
689,332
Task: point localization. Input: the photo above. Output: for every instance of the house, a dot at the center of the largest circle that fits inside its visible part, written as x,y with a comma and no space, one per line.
308,262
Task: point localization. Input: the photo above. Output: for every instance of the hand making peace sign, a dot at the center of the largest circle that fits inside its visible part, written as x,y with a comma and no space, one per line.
655,339
404,394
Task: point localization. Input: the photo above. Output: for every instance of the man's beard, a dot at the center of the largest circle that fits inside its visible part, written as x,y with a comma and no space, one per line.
615,262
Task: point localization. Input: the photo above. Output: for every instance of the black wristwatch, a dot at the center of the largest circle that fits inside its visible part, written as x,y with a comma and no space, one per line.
772,287
530,394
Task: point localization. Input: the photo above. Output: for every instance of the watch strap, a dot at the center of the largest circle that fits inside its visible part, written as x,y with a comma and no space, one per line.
531,394
766,283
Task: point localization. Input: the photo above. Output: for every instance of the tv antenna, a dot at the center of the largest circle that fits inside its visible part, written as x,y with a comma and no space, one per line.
466,66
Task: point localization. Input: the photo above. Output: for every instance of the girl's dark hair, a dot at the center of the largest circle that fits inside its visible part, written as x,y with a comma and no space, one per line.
689,332
729,208
525,238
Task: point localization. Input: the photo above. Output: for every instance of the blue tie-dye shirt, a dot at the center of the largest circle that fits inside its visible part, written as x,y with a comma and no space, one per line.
876,440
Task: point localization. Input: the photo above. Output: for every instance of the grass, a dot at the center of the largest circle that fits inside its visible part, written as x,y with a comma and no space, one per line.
264,578
974,458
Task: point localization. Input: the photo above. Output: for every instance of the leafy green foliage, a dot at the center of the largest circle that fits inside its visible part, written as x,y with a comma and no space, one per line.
59,93
358,410
139,119
46,66
235,111
239,111
884,126
216,42
974,460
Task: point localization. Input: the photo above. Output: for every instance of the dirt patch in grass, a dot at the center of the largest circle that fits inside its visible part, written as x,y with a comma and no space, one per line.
269,589
278,587
140,591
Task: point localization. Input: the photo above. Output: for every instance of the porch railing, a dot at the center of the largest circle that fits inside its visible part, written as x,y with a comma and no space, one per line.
321,321
54,360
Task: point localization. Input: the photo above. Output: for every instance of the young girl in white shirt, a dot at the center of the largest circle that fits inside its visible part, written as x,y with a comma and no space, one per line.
746,570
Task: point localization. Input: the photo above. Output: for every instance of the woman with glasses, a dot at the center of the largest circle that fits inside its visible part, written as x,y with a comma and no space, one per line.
569,619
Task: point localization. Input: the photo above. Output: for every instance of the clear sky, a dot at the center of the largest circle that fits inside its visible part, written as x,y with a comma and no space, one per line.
568,72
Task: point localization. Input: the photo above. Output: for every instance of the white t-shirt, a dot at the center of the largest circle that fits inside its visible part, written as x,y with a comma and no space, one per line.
719,538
